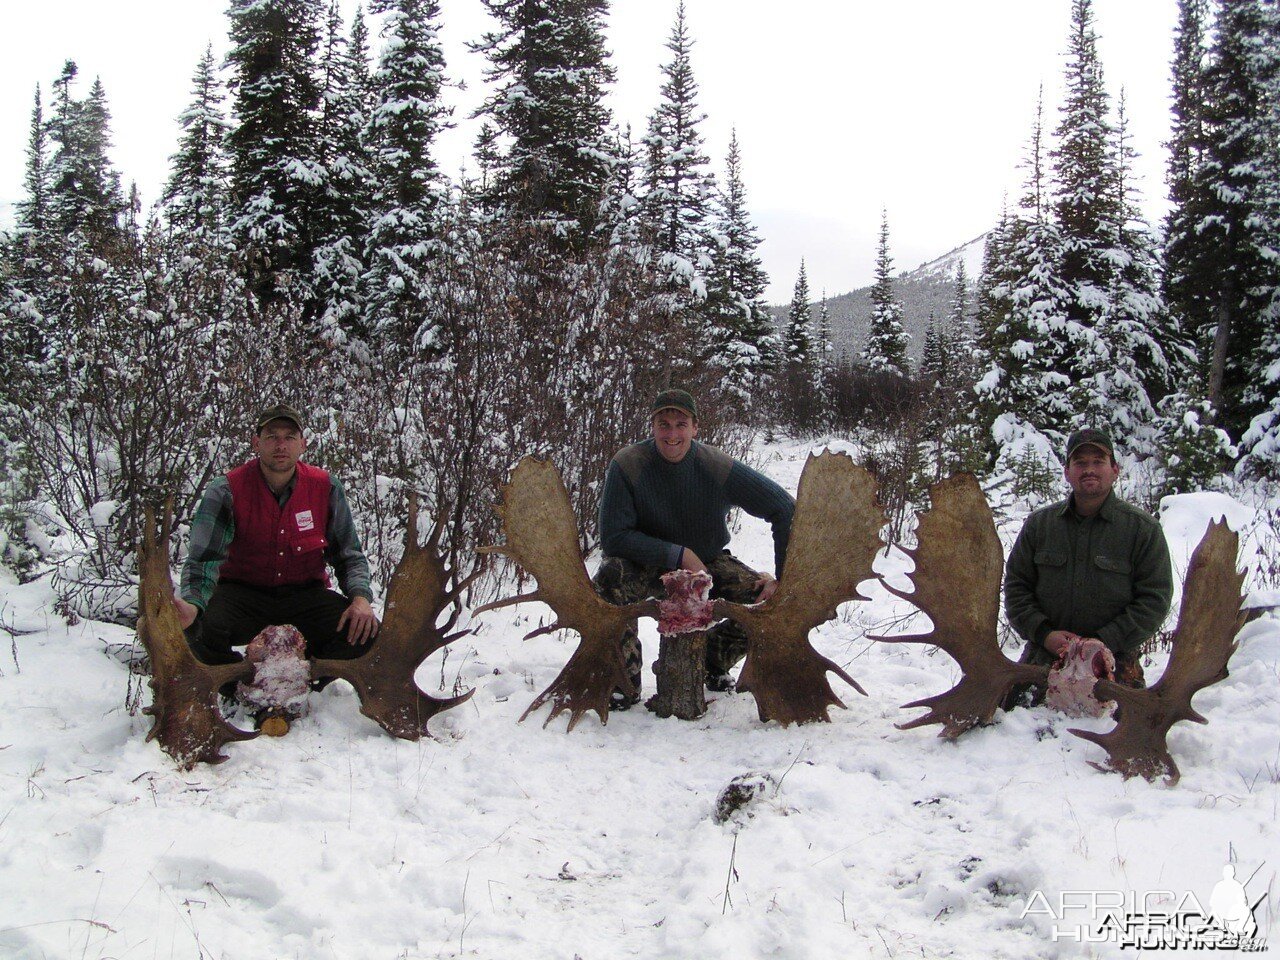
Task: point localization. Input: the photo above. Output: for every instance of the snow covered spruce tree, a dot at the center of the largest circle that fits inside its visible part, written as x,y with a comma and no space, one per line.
1110,292
33,209
550,69
1229,272
276,176
407,116
194,201
797,345
1024,333
84,193
947,372
735,290
886,347
1186,286
342,203
1120,361
798,403
678,191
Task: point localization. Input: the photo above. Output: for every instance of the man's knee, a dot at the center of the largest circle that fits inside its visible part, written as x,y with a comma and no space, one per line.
732,580
1129,672
621,581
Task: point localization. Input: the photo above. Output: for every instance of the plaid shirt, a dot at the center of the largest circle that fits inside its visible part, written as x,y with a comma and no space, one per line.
214,527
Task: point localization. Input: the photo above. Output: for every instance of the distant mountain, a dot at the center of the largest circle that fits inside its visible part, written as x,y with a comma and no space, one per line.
925,291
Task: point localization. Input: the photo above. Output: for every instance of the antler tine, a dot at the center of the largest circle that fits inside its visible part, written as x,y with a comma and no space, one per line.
507,602
542,537
543,631
834,539
958,565
1202,646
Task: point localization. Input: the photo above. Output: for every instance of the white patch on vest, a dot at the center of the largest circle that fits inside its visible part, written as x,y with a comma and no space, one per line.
305,521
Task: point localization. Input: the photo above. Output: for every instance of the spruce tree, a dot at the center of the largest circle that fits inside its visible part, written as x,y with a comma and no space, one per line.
276,177
1259,26
342,206
549,65
736,285
798,346
678,182
1233,208
84,191
407,116
622,212
1086,205
1025,335
886,347
1139,336
194,200
33,211
1187,286
931,362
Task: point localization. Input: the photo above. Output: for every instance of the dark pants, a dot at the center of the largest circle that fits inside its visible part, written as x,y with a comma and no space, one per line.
238,612
621,581
1128,673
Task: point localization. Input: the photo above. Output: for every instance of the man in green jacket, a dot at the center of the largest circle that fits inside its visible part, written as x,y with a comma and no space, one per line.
1088,567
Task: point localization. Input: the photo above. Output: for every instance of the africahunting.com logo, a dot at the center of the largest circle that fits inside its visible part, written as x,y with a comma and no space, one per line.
1154,919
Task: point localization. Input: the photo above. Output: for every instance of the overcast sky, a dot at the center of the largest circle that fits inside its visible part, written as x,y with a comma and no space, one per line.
842,107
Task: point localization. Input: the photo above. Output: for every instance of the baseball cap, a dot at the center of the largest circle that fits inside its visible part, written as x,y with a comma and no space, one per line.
281,411
1089,437
679,399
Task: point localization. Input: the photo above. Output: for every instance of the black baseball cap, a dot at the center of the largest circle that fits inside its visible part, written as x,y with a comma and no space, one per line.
1089,437
281,411
679,399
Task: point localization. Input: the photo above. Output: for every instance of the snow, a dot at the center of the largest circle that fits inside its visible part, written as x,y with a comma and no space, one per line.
499,839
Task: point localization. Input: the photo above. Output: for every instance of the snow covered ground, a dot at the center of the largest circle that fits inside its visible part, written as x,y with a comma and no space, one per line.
503,840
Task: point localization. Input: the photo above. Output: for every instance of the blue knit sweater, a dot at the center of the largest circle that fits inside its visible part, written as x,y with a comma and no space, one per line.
650,508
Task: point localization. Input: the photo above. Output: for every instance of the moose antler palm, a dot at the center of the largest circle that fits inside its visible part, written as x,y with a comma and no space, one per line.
959,562
1207,624
187,724
421,589
541,531
834,539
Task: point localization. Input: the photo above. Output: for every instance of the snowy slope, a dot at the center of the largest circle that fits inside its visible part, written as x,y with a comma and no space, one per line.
499,839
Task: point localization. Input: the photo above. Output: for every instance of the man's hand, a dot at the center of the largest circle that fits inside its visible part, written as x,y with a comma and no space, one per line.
1057,641
187,612
765,587
360,621
689,561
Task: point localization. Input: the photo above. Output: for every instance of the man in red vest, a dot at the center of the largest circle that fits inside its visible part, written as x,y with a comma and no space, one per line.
261,540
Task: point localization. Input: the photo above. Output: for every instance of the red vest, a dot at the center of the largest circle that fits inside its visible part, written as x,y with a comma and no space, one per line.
274,547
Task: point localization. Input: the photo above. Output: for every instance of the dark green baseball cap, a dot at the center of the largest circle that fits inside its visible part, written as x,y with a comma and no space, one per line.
281,411
677,399
1089,437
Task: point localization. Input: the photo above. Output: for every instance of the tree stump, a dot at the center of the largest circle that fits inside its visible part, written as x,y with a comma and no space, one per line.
681,670
683,619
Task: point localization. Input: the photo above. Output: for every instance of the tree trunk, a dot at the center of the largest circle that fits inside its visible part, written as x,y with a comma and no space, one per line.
1221,343
681,670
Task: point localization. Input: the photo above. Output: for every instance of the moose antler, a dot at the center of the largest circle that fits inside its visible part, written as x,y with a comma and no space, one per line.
541,531
184,691
835,535
418,593
1207,625
957,584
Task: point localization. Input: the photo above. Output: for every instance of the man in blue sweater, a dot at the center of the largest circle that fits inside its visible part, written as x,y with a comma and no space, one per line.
665,507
